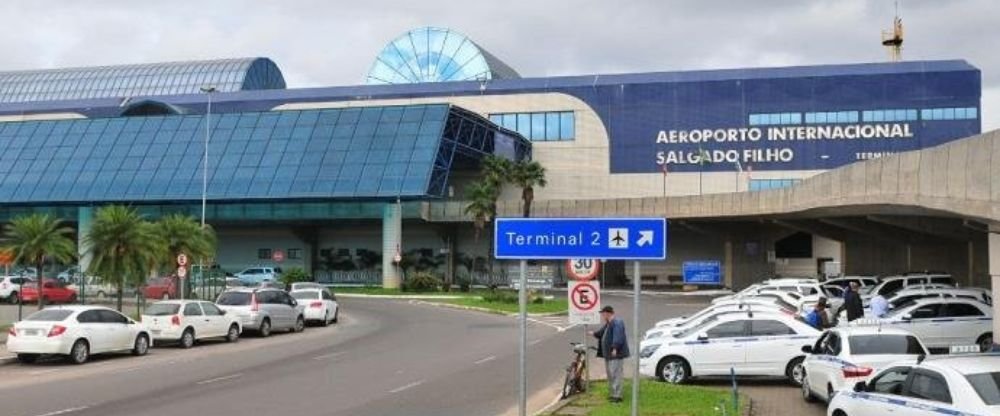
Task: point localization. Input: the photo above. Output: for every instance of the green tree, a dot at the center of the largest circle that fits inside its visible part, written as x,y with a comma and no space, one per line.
183,234
34,237
482,206
125,248
527,174
294,275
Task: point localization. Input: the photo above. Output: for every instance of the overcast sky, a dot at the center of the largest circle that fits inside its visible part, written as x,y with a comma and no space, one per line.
326,42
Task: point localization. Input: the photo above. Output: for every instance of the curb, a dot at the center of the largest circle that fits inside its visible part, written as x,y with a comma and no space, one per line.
484,310
404,297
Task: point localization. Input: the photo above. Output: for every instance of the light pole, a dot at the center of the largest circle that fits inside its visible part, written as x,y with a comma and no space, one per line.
204,179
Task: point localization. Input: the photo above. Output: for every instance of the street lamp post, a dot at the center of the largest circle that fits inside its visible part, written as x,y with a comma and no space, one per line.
204,177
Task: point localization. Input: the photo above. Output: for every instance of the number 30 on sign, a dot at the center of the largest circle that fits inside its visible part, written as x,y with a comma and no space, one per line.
583,269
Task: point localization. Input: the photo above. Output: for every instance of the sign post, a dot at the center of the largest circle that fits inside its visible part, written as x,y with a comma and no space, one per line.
587,238
702,272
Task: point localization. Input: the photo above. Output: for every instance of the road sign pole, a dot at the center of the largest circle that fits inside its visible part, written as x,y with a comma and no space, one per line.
522,301
636,283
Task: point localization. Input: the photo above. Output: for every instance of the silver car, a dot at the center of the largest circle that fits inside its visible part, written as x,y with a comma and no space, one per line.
263,309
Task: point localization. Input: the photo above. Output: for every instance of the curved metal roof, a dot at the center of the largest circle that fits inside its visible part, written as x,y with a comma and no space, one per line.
167,78
431,54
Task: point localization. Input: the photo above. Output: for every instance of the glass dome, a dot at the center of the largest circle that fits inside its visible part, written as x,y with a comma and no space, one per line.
431,54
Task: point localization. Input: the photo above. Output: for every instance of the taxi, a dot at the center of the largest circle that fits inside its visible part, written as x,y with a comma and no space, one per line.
941,322
960,385
844,356
756,343
668,326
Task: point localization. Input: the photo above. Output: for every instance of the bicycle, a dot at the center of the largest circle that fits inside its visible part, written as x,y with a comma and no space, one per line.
576,372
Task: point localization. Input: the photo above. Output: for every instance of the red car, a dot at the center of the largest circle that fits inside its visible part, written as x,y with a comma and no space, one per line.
53,291
161,288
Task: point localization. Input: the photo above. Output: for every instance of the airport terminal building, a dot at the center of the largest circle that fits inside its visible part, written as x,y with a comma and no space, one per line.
343,178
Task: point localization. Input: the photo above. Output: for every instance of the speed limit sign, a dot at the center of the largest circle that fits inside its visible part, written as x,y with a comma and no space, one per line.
583,269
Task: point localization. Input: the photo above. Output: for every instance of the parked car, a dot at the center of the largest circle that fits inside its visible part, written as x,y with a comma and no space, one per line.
257,275
160,288
77,332
52,292
890,285
752,344
185,322
906,295
845,356
669,326
941,323
320,305
951,385
10,285
91,286
263,309
306,285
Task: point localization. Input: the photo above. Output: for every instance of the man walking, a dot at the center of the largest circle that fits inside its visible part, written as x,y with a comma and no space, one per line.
613,347
852,303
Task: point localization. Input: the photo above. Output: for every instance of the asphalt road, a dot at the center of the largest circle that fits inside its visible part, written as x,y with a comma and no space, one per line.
386,357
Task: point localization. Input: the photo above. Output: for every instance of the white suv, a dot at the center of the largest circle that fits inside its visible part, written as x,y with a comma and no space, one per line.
10,285
256,275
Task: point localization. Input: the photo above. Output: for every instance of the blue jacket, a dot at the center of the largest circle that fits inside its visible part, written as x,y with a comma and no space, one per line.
612,336
814,319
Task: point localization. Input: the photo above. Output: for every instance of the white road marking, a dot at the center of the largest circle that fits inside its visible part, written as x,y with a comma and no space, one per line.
407,387
128,369
330,355
218,379
40,372
534,342
486,360
64,411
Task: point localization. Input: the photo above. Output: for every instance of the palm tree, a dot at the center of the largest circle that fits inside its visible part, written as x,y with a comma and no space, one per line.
34,237
124,247
482,197
527,175
182,234
496,173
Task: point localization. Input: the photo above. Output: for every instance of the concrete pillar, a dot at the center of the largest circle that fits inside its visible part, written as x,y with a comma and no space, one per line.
994,262
392,235
84,218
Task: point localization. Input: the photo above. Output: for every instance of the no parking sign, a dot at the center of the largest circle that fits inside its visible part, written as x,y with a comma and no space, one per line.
584,302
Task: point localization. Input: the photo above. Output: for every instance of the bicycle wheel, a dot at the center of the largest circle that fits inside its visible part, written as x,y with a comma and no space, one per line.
569,384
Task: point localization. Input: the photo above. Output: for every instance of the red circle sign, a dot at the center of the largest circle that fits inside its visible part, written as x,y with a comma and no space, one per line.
278,256
585,296
583,269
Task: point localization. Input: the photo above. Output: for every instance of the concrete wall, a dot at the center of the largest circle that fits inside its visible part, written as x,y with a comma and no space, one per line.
238,247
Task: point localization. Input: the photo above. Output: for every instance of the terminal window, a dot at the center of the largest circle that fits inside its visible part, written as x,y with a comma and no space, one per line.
264,254
828,117
775,119
764,184
294,253
889,115
961,113
545,126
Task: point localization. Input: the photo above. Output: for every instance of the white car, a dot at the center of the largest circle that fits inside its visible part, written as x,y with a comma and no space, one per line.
10,285
306,285
890,285
941,323
320,305
950,385
188,321
76,331
92,287
844,356
843,281
256,275
668,326
801,286
906,295
752,344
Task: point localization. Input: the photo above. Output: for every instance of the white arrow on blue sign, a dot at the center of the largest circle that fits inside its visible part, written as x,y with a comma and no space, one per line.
564,238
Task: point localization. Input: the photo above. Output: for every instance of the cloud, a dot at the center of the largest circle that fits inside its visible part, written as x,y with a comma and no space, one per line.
320,43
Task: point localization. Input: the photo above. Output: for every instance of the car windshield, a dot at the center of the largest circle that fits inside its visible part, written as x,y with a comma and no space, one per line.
885,344
161,309
987,386
49,315
305,295
234,299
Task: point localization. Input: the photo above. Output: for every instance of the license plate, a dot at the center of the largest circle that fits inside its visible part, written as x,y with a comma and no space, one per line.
31,332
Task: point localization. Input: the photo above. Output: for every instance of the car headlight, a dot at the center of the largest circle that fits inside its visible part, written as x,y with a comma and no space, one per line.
650,335
648,350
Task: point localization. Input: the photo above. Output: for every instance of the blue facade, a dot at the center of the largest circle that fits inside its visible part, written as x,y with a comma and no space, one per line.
355,153
795,118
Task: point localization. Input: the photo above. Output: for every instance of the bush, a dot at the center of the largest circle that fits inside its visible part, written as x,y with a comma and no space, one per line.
500,296
422,282
464,284
295,274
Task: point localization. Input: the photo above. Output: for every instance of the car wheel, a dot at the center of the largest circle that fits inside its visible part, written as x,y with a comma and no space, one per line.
187,338
141,346
14,298
265,328
300,324
985,342
674,370
326,319
27,358
80,352
72,299
807,394
336,312
233,334
166,296
795,371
